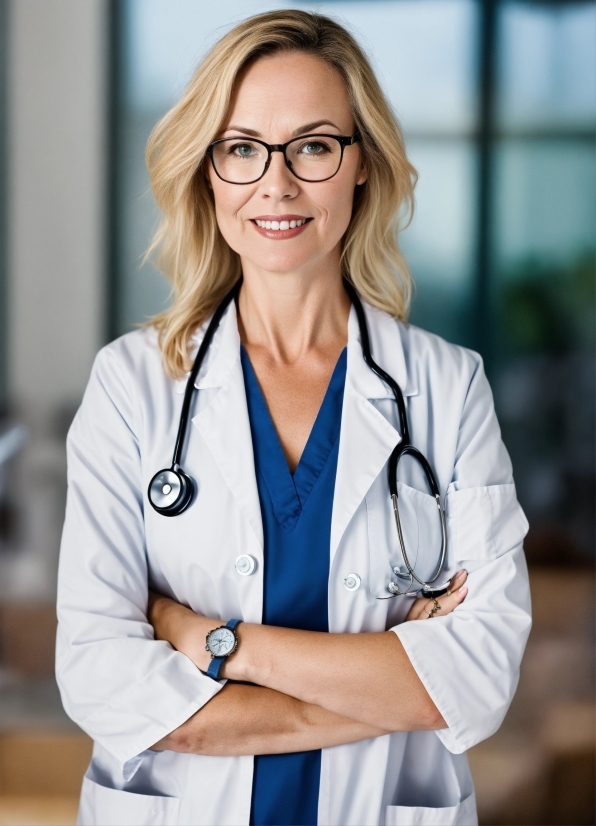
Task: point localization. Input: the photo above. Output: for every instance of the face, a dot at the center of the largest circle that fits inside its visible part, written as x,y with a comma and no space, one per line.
279,98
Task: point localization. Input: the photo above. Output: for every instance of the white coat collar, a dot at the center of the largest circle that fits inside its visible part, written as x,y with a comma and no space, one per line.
386,345
387,350
223,352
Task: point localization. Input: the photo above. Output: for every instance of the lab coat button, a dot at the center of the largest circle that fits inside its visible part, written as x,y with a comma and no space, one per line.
245,564
352,582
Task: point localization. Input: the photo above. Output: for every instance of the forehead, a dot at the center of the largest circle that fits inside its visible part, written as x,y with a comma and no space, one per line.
285,91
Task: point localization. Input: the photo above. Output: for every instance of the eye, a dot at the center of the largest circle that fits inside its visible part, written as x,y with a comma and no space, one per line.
314,148
242,150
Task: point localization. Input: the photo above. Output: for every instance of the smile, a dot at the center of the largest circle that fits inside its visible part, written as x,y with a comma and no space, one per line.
280,227
280,224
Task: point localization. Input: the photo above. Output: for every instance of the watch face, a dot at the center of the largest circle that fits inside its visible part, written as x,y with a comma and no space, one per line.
221,642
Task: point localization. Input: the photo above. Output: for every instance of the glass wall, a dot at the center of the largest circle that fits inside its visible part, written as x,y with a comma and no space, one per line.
543,267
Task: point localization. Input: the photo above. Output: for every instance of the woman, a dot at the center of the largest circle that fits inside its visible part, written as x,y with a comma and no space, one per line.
282,171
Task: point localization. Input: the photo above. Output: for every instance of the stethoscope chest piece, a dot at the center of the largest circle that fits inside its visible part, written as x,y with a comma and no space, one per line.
171,491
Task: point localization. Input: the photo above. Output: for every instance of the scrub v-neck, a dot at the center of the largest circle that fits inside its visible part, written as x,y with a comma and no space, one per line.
296,512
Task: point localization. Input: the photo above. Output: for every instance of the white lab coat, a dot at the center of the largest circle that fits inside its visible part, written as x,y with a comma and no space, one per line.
127,690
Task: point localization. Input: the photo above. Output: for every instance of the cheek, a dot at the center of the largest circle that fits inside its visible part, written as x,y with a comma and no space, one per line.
227,206
336,205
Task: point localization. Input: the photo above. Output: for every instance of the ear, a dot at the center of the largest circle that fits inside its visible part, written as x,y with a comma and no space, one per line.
362,175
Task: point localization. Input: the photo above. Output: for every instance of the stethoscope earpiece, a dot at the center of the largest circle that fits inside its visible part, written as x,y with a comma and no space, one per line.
171,491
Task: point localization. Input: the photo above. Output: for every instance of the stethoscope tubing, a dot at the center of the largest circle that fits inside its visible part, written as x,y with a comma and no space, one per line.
175,485
190,384
404,448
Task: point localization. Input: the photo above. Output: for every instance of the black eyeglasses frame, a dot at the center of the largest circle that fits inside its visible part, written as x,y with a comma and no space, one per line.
343,140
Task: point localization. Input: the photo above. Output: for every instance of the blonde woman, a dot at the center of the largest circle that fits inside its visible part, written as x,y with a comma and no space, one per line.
282,179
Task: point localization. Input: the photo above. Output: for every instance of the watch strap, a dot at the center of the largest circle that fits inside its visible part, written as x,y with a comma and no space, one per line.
233,624
216,663
215,667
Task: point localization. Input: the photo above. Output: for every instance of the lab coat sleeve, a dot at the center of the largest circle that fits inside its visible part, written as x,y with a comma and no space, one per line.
123,687
469,660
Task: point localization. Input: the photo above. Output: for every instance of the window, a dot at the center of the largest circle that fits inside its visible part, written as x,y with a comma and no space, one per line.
542,267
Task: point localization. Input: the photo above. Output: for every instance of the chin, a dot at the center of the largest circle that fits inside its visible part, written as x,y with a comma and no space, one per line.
282,263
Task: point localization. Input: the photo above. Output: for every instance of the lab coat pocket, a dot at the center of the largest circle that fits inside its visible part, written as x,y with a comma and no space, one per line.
101,806
464,814
484,522
421,528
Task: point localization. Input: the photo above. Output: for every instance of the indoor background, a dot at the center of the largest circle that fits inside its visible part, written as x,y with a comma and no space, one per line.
497,100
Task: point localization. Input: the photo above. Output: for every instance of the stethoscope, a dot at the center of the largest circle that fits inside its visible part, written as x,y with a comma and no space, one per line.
171,490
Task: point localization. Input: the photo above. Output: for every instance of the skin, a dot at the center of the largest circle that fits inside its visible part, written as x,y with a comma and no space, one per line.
294,690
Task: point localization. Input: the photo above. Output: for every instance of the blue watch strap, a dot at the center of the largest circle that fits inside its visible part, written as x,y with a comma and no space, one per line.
215,667
217,662
233,624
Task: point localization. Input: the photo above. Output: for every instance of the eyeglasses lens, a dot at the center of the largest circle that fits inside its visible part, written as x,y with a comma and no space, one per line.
243,161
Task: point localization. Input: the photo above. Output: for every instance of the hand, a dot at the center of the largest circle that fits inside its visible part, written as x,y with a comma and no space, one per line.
448,602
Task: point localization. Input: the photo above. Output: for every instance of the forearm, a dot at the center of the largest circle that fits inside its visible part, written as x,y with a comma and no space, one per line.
365,677
248,719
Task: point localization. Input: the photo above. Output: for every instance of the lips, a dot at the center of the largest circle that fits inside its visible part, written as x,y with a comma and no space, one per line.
280,226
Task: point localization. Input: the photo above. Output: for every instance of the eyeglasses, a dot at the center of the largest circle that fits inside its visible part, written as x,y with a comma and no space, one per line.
311,158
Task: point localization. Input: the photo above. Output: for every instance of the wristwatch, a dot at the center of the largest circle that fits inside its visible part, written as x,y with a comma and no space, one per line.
221,642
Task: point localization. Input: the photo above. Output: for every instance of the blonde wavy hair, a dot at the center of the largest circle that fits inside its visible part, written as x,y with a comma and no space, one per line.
193,254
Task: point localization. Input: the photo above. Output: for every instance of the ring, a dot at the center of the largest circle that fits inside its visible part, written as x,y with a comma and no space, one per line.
436,607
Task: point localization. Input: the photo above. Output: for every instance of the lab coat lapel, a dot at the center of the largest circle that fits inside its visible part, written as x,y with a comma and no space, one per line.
367,438
224,424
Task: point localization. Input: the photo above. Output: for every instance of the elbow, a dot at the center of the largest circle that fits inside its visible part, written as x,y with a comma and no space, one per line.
428,717
423,716
434,719
186,739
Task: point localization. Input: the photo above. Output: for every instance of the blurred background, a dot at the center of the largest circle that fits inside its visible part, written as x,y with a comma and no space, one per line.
497,100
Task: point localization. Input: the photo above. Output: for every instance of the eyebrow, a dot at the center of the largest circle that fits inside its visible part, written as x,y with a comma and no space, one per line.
302,130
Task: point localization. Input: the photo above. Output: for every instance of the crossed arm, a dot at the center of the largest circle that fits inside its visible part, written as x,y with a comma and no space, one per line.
294,690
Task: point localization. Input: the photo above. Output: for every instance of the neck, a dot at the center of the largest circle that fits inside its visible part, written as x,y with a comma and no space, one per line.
291,314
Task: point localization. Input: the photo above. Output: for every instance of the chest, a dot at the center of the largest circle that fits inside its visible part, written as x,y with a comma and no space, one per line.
293,393
194,556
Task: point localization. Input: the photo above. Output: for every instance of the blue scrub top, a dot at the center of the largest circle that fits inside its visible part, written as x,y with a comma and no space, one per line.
296,512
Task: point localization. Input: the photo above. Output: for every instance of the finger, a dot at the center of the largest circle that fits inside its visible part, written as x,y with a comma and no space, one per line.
445,604
457,580
422,606
449,603
417,611
455,596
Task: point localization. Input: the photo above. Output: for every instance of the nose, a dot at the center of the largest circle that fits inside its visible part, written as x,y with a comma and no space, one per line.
278,182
